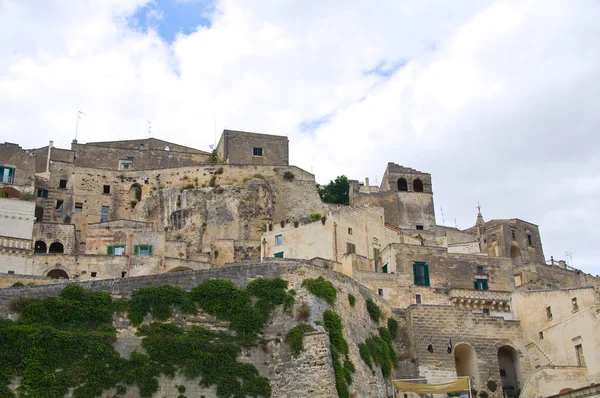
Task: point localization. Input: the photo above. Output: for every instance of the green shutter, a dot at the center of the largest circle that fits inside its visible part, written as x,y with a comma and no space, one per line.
475,284
416,280
11,176
485,285
136,249
149,250
278,255
426,269
110,250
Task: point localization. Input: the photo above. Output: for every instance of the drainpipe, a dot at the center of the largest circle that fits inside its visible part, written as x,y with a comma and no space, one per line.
335,247
263,251
129,248
48,160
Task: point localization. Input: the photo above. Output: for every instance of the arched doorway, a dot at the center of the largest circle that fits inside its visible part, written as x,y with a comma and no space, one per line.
418,185
180,269
40,247
402,184
515,254
135,192
508,361
465,361
57,274
57,248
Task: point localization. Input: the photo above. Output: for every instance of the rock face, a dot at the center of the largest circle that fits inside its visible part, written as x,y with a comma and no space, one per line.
309,374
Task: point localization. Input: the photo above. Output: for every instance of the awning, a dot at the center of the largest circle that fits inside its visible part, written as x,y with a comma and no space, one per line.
450,386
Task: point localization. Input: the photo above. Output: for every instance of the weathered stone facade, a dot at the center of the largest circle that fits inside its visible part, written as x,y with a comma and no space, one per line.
239,147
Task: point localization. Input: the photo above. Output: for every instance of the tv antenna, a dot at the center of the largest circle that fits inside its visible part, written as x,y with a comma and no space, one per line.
79,113
570,255
148,129
443,219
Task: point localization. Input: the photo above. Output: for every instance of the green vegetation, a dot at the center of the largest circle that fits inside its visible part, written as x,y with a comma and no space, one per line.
321,288
27,196
189,186
295,337
17,284
315,217
133,203
392,327
67,342
378,350
351,300
373,310
219,170
336,191
213,157
303,313
213,182
343,368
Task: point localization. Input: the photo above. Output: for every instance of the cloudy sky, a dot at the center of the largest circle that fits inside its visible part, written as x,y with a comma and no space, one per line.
498,100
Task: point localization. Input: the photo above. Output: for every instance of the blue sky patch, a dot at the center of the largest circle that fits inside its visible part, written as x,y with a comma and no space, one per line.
169,17
309,126
386,68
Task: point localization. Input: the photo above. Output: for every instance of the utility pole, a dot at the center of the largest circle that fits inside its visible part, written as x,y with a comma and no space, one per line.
79,113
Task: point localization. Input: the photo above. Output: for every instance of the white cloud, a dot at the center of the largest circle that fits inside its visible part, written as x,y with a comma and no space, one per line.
498,101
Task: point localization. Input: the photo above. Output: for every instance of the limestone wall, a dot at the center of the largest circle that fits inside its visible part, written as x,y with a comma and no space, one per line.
551,380
310,374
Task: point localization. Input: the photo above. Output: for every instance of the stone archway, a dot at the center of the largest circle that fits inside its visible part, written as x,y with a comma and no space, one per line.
402,185
40,247
57,274
508,362
465,361
56,248
418,185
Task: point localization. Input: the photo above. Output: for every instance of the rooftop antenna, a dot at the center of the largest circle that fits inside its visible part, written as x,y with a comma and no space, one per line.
570,255
443,219
148,129
375,179
79,113
455,224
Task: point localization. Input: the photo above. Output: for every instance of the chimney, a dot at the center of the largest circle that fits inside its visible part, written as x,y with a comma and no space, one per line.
367,183
49,152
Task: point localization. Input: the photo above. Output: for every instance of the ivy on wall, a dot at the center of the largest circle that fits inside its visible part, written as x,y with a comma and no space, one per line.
67,342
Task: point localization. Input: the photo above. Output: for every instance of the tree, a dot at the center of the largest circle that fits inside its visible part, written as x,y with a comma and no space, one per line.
336,191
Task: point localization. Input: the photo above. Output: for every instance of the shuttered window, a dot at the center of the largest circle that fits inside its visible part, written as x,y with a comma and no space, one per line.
142,250
421,273
480,284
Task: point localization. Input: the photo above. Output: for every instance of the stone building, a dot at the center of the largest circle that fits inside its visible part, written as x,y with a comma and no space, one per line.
480,302
240,147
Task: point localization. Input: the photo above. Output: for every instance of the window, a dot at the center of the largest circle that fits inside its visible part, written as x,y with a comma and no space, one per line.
418,299
384,269
124,273
104,214
93,274
574,305
278,239
420,227
42,193
350,248
480,270
549,313
375,241
62,184
125,164
493,237
380,292
421,273
115,250
418,185
502,372
529,240
11,272
481,284
541,334
106,189
167,148
402,185
513,234
349,231
257,151
486,311
579,354
78,207
142,147
142,250
58,209
278,255
7,174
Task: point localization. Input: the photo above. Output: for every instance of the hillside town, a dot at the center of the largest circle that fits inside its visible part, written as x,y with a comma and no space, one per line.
484,303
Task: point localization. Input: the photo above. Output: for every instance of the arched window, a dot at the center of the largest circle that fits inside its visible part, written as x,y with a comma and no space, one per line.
418,185
57,274
515,254
39,246
56,247
402,185
135,192
142,147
